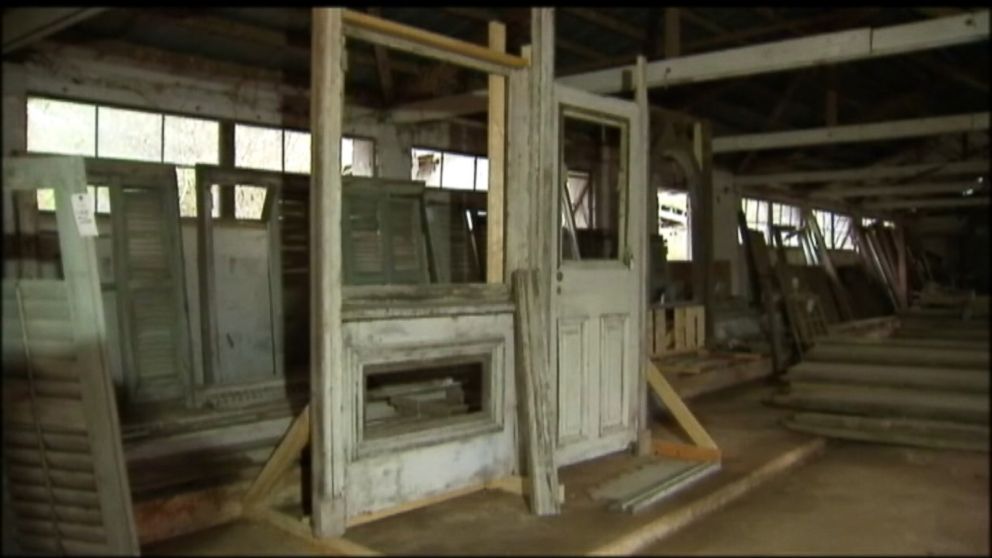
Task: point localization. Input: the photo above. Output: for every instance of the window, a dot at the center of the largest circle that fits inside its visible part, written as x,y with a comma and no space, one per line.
61,127
787,216
673,223
577,183
70,128
249,201
756,215
842,233
452,171
280,150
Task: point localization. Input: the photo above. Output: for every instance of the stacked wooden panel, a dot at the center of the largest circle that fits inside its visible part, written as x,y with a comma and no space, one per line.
913,388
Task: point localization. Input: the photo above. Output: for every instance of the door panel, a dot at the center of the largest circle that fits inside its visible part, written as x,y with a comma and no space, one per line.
597,293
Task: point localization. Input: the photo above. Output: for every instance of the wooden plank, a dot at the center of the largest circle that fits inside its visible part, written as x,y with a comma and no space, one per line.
913,432
412,39
674,404
886,402
298,528
535,396
918,377
281,460
676,450
832,351
327,370
496,151
680,330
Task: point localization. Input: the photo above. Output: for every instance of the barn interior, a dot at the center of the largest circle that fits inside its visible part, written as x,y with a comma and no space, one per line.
509,280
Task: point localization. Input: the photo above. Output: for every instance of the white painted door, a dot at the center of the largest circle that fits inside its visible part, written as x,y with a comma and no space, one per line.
598,294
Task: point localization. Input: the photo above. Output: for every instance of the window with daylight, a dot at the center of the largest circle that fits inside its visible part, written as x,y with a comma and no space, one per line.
72,128
756,215
449,170
577,184
673,224
784,215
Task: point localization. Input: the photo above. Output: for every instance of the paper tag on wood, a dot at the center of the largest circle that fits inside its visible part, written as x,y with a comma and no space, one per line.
82,208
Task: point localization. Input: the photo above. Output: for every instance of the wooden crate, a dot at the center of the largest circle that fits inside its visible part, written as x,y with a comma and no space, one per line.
676,329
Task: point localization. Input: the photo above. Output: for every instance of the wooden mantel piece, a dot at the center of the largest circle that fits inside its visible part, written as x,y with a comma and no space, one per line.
327,366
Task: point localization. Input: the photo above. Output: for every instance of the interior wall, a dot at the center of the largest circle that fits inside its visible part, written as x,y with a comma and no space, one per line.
726,203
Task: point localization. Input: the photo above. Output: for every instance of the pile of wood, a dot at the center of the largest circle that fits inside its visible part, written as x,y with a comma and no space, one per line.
925,385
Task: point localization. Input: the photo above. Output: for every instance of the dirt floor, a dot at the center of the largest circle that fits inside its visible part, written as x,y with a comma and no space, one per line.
858,499
853,499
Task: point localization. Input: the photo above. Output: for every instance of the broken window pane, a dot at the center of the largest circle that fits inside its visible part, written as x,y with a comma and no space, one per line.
249,202
426,166
257,148
673,223
189,141
61,127
186,183
129,134
577,183
458,172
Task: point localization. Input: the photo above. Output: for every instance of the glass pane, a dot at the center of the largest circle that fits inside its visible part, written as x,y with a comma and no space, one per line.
61,127
249,202
297,151
129,134
426,166
592,144
673,223
46,199
186,182
257,148
363,158
347,155
482,174
578,194
189,141
458,172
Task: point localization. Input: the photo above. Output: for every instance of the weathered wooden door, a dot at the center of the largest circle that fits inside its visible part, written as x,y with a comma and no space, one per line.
63,462
597,290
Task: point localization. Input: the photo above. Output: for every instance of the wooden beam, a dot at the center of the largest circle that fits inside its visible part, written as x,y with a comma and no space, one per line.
677,408
327,370
792,54
864,173
879,131
600,18
23,26
673,38
496,137
910,189
282,459
382,66
404,37
970,201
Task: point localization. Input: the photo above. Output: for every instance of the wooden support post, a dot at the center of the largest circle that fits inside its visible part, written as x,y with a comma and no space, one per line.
644,313
496,196
518,184
902,285
673,38
535,397
327,378
674,404
283,456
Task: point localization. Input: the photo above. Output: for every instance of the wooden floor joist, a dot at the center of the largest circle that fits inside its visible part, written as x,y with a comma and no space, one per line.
283,456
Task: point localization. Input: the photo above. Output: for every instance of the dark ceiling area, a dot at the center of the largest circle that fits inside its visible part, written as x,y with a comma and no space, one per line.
935,82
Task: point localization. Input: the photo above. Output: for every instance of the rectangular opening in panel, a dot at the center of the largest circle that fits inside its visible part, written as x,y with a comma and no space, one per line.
400,398
593,189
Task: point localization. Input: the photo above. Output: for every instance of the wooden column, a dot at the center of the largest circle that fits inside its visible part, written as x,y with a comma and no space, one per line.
543,160
640,172
702,221
497,162
226,157
902,285
518,184
327,374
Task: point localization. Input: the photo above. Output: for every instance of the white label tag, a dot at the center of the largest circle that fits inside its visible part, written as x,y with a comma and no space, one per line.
82,208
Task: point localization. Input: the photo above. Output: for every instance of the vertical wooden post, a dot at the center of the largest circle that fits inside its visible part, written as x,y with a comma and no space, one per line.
226,157
544,161
702,220
518,184
639,171
902,286
327,374
497,162
205,275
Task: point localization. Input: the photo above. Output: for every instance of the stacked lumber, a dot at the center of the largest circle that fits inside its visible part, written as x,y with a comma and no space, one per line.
916,387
